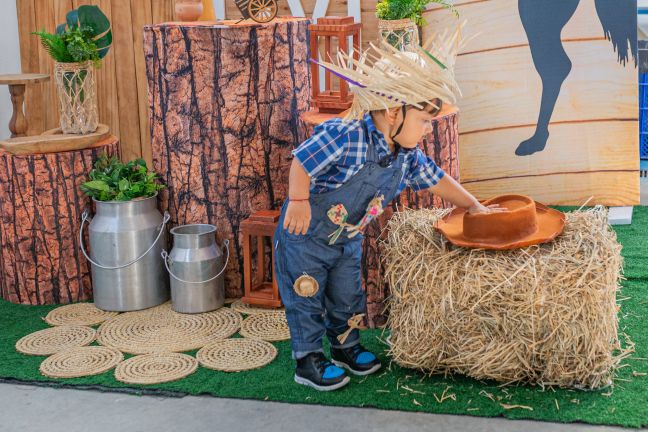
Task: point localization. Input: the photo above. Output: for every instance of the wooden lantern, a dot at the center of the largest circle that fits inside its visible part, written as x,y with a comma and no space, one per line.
329,100
258,291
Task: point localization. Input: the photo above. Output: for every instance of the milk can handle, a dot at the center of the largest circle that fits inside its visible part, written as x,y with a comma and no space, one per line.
165,258
85,218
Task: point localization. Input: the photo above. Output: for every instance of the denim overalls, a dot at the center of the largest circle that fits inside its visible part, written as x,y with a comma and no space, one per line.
336,267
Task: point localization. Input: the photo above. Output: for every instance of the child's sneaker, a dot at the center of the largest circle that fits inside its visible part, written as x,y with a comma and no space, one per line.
317,372
356,359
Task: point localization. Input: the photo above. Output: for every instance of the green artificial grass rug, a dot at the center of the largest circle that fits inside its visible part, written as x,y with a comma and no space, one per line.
396,388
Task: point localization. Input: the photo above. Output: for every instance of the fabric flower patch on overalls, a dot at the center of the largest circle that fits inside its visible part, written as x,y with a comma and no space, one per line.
374,209
306,286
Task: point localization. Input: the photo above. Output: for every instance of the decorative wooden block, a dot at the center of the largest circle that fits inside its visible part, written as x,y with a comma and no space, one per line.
40,213
224,106
260,225
442,146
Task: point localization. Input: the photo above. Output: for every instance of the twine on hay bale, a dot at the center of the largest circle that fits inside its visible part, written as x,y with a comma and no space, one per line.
545,314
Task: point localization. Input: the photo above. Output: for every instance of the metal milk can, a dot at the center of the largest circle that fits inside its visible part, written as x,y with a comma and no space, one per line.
126,238
196,267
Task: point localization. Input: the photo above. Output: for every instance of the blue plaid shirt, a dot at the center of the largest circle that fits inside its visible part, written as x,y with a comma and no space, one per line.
337,150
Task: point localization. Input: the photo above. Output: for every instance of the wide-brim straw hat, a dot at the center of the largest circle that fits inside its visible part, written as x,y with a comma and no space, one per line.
523,223
384,77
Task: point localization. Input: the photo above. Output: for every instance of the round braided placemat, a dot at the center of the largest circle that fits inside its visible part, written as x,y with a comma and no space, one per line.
81,361
235,355
161,329
55,339
269,326
244,309
78,314
155,368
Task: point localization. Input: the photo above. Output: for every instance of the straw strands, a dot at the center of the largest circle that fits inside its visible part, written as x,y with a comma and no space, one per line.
545,314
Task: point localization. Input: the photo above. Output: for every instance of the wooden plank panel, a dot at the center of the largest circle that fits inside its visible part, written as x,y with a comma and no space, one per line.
609,145
106,80
607,188
163,11
129,125
141,15
45,11
29,60
502,88
481,17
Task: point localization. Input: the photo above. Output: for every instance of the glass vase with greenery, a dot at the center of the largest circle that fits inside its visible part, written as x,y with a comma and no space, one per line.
77,45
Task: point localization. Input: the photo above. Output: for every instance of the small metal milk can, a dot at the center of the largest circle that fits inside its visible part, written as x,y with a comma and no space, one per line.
196,267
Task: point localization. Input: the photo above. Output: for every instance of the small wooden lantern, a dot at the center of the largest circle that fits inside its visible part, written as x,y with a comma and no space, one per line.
261,225
328,100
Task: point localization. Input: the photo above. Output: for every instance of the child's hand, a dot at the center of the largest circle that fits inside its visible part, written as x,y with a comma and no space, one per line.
298,217
480,208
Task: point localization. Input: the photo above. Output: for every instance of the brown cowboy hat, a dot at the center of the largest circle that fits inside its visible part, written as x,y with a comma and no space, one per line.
523,223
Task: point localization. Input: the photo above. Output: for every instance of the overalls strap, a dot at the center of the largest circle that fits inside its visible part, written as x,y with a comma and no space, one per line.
372,153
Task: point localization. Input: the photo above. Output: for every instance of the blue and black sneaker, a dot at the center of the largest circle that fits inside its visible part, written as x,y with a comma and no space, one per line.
356,359
317,372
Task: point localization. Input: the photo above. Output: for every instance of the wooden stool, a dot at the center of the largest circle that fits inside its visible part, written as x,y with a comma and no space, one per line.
17,84
261,225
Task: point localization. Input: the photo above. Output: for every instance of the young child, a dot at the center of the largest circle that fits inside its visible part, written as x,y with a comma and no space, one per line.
340,179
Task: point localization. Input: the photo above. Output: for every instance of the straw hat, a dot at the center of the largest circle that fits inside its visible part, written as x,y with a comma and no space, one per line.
524,223
384,77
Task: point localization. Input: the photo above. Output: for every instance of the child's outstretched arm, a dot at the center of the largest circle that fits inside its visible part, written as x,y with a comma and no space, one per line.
298,213
450,190
426,174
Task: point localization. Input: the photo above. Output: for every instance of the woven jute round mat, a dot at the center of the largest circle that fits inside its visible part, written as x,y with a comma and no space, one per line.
161,329
235,355
155,368
52,340
80,362
78,314
269,326
244,309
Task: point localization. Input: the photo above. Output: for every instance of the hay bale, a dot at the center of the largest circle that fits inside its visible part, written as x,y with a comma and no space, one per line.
545,314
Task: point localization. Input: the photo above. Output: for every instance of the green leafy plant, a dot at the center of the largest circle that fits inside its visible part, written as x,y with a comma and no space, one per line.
412,9
112,180
85,36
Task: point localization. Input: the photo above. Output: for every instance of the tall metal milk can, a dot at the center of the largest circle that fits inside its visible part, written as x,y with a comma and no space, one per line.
196,267
126,238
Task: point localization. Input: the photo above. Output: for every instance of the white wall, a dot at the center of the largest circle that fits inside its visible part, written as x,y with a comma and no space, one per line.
9,58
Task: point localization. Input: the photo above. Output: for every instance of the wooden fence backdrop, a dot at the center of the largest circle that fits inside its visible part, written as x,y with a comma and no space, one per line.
121,81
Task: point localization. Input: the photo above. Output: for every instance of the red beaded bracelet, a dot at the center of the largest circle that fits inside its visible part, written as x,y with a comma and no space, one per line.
297,200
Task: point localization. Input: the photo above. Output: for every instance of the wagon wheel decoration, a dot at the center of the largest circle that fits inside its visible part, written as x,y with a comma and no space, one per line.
262,11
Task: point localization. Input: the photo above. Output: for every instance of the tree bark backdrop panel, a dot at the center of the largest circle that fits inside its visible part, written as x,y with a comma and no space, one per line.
442,145
40,214
121,80
224,104
550,104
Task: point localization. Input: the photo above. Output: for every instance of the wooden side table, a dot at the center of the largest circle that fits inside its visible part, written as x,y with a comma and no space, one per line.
261,225
17,84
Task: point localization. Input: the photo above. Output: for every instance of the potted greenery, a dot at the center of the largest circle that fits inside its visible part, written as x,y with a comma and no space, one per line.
399,21
77,47
127,235
112,180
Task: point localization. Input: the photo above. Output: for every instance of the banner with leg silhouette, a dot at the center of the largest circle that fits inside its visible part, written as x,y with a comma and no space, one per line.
550,104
